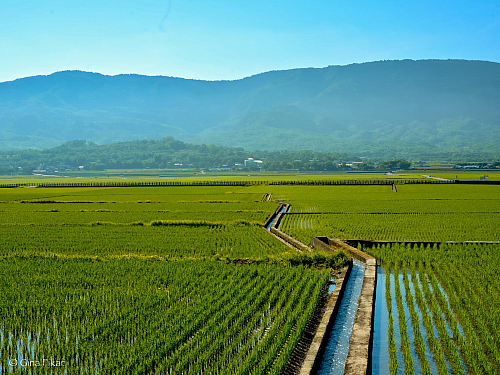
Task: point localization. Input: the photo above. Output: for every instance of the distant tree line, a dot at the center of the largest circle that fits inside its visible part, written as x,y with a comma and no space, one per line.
395,164
170,153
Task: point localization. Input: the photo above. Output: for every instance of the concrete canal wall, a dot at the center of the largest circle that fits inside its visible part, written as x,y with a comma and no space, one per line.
315,352
360,345
327,243
271,217
274,230
359,356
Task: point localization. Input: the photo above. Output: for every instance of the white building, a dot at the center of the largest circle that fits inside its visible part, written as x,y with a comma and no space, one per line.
251,162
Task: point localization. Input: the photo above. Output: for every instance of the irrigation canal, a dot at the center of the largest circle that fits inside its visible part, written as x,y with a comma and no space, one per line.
272,219
380,349
358,342
335,353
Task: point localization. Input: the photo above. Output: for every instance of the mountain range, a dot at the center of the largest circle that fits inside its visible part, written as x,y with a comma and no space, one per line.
416,109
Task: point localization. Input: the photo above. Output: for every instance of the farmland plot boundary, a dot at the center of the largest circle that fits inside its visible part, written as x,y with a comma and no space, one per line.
372,243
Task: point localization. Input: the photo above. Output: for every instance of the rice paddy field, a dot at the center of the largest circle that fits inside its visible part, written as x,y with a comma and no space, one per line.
180,280
437,309
185,280
413,213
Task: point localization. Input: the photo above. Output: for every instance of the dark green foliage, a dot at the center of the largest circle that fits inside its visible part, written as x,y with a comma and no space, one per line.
164,153
395,164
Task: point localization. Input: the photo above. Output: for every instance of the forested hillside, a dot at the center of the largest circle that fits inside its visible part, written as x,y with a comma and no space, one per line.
416,109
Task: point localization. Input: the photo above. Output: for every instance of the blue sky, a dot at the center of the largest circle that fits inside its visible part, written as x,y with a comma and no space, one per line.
224,39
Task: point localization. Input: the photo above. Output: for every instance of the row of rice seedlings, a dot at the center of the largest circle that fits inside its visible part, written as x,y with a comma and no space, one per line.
405,343
429,326
457,333
165,240
398,227
205,337
478,352
136,316
415,322
393,364
459,310
448,346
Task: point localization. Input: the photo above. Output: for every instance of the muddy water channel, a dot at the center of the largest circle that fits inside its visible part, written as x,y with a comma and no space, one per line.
335,354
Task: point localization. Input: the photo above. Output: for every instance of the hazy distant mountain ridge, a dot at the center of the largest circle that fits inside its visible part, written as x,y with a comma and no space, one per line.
394,107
